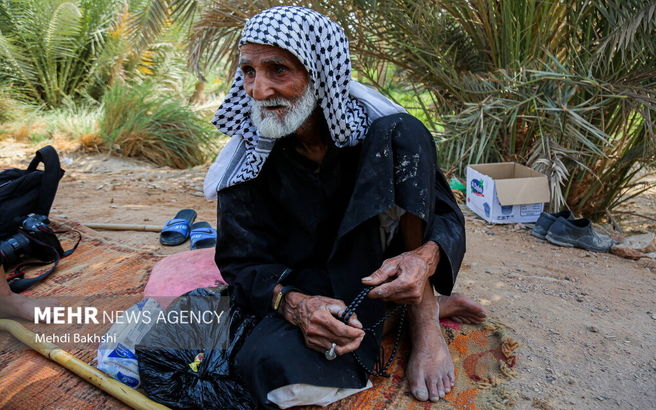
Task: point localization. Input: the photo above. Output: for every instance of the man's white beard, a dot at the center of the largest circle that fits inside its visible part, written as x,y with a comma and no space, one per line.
270,125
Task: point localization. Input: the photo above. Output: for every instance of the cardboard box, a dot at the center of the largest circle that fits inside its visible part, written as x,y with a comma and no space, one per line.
506,192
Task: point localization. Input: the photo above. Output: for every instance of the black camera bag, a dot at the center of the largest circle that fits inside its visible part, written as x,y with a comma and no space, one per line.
23,192
27,192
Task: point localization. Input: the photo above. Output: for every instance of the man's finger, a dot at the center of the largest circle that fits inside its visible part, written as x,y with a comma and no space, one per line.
389,269
336,309
405,297
341,330
320,344
353,321
338,312
348,348
395,287
324,337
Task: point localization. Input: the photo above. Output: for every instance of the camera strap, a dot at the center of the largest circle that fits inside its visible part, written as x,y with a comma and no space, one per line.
19,283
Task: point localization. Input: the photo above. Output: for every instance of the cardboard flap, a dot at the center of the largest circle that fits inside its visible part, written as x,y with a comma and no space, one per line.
519,191
497,170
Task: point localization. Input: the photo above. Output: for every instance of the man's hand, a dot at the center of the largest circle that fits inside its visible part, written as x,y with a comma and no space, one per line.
316,316
411,271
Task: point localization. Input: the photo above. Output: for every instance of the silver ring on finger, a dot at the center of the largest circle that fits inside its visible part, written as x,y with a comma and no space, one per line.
330,353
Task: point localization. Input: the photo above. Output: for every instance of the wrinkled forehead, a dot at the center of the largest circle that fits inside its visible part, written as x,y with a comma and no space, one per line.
310,36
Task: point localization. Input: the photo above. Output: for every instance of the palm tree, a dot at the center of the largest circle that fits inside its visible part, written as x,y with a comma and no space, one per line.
54,50
50,50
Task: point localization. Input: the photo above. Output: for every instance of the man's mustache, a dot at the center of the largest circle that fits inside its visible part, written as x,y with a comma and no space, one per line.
272,102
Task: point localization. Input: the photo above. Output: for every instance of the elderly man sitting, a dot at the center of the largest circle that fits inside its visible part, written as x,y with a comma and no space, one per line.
325,188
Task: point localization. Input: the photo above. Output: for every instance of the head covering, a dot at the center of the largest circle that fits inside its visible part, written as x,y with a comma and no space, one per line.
321,46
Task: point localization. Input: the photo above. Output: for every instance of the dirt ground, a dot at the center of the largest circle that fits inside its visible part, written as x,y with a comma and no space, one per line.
586,321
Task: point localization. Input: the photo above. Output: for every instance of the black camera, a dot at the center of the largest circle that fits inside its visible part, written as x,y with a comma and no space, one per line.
19,246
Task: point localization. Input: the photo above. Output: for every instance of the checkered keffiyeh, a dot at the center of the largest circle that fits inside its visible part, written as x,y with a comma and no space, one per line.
321,46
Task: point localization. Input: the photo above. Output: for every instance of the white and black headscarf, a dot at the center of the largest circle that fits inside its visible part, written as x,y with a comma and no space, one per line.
321,46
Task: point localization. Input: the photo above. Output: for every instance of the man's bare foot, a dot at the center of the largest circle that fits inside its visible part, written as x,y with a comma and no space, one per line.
15,305
430,369
461,309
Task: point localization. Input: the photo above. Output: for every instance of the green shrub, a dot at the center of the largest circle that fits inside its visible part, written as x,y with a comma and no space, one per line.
137,122
6,109
10,108
73,120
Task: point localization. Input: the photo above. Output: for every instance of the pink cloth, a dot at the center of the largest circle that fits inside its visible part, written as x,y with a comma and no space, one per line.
180,273
449,323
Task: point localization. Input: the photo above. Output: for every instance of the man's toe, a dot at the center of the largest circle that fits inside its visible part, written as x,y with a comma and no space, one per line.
420,393
433,390
418,387
440,387
448,385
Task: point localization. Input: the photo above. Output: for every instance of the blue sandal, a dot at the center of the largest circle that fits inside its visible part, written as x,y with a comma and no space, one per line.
176,230
202,236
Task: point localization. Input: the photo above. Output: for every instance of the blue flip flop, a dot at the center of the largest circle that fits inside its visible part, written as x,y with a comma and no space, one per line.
176,230
202,236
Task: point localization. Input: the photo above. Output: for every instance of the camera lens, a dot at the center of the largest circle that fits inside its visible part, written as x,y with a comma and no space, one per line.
14,248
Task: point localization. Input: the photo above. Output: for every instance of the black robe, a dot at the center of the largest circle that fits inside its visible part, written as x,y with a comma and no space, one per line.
321,222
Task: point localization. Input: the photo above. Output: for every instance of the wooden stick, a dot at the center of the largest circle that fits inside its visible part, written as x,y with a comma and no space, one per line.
92,375
123,227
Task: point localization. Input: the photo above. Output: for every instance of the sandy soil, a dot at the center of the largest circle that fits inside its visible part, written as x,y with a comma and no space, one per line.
586,321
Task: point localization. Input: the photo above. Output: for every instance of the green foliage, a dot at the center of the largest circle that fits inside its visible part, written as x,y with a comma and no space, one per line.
138,122
74,121
49,49
552,120
8,106
71,123
63,56
152,17
57,50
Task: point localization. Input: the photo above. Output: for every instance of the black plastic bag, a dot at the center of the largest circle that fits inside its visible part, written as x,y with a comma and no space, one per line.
188,365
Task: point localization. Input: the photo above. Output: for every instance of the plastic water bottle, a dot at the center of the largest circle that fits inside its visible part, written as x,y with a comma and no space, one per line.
118,358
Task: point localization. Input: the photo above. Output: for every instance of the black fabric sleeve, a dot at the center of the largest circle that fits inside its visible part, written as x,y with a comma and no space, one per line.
447,229
246,247
419,188
416,171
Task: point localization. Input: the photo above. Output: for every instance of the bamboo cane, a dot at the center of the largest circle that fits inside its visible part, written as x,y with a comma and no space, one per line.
123,227
92,375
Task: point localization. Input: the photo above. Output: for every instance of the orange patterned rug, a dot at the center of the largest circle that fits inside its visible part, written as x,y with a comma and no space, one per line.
103,270
97,270
483,357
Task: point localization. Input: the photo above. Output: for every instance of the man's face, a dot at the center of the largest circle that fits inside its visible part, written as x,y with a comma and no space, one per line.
280,88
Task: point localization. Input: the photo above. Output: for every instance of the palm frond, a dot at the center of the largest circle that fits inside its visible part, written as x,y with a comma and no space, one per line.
631,23
18,68
149,21
62,35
